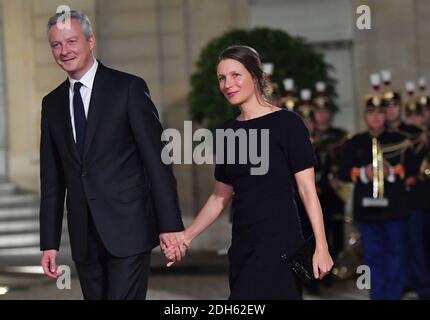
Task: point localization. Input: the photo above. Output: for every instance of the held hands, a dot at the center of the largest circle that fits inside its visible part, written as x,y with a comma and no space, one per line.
322,262
174,246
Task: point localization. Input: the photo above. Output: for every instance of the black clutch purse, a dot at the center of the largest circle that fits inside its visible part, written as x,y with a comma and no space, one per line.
300,262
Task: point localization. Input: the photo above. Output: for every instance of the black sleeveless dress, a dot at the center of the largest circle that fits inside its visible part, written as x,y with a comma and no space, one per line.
266,224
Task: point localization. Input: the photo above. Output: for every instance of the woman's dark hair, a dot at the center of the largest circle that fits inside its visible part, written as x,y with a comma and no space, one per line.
250,59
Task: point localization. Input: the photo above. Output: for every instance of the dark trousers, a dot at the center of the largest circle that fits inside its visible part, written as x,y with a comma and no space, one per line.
417,268
334,225
103,276
383,244
426,227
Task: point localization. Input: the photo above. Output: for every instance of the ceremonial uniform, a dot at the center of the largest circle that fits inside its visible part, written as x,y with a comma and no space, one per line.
417,272
424,175
382,226
327,144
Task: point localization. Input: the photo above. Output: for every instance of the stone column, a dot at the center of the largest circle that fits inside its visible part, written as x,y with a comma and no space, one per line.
3,122
397,41
19,75
29,74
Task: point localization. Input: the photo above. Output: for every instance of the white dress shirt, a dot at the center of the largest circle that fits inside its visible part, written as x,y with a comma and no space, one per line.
87,81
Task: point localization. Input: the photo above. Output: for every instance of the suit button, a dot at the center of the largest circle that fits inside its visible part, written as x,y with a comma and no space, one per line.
284,256
84,174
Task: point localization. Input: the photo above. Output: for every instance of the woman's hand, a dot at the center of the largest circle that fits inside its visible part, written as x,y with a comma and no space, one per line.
183,246
213,207
322,263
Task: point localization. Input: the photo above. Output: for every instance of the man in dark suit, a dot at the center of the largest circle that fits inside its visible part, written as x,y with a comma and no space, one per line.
101,142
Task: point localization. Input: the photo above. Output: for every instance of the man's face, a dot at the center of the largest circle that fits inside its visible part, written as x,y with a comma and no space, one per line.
392,113
322,116
416,120
309,124
427,116
71,50
375,119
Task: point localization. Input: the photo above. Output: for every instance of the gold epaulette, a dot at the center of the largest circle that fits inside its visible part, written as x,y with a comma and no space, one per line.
339,142
420,142
405,133
424,172
394,149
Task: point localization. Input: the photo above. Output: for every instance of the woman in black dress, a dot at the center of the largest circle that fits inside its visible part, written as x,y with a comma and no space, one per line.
266,224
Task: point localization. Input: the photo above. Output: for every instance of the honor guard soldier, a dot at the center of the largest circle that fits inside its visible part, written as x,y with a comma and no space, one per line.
424,175
414,116
417,273
328,142
273,92
374,161
305,109
289,101
424,100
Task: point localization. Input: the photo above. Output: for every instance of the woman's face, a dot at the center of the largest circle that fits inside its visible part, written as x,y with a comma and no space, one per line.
235,82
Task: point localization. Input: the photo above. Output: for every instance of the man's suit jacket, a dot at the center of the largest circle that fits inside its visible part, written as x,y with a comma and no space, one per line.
131,195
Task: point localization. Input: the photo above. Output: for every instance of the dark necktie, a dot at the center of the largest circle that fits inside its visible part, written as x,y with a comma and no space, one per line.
80,119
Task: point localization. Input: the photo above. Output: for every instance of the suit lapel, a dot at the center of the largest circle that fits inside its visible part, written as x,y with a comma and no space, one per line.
95,110
65,107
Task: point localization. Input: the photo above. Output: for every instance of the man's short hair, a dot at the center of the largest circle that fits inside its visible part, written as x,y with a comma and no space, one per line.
83,20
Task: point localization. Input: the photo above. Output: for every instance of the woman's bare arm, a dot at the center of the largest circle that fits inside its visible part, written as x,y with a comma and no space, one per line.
322,262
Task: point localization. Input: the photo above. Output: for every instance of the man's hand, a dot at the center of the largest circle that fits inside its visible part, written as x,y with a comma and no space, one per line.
334,183
386,170
410,181
49,264
369,172
172,245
